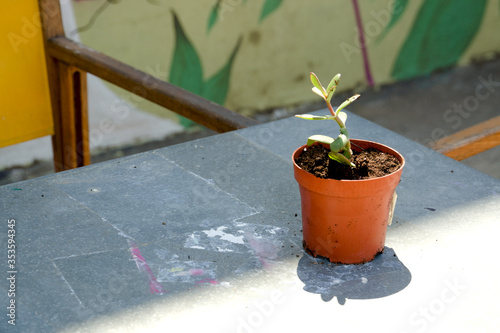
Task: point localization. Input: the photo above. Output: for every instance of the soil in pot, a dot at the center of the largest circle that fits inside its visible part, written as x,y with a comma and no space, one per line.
370,163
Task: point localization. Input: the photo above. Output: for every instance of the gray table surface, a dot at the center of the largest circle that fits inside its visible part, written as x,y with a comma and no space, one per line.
206,236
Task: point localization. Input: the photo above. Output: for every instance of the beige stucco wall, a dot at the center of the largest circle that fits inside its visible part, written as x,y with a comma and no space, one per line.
272,65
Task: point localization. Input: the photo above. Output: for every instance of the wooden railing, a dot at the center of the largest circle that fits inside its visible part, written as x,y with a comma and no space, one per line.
180,101
67,65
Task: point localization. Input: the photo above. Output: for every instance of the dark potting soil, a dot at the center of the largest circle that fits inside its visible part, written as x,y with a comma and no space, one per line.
370,163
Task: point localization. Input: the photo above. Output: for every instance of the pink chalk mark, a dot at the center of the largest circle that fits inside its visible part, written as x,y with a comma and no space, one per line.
211,281
154,286
196,272
263,250
264,263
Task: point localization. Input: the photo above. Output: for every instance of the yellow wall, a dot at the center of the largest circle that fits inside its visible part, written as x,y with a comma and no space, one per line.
25,111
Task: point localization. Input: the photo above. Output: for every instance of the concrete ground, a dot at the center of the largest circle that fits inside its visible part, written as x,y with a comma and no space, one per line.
423,110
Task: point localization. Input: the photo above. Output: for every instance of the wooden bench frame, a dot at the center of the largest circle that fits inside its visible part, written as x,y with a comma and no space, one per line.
470,141
67,65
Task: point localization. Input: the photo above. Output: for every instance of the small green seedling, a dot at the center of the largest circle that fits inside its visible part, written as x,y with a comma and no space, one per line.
340,148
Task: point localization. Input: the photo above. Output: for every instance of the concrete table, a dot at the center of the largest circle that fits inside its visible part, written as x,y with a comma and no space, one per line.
206,236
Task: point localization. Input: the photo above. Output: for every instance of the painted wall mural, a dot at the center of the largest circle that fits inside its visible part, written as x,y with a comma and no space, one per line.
441,33
186,69
254,55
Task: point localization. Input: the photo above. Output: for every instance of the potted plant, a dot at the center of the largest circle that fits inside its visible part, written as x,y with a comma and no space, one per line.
347,188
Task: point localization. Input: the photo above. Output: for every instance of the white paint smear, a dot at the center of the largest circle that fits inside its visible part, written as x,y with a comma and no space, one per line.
224,236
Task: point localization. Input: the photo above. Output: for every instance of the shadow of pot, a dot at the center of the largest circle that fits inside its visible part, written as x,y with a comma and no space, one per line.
346,220
381,277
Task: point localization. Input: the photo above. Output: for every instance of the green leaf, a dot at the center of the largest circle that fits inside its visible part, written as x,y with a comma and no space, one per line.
185,71
397,12
339,143
214,15
269,7
217,87
319,138
346,103
318,92
332,86
333,82
319,88
340,158
313,117
342,116
442,31
347,152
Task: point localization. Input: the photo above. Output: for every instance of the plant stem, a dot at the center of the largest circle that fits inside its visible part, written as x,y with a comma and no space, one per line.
332,112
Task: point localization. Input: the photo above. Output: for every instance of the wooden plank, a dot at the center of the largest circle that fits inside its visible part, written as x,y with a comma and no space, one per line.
51,20
470,141
183,102
68,87
73,118
82,116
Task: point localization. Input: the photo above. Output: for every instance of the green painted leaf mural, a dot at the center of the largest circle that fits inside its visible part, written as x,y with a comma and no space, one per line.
269,7
214,15
397,11
441,33
185,70
214,12
216,88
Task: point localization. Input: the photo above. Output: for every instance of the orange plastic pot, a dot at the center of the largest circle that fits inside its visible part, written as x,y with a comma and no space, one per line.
346,220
